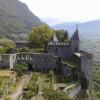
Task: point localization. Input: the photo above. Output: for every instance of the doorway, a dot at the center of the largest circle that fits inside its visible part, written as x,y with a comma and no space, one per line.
30,67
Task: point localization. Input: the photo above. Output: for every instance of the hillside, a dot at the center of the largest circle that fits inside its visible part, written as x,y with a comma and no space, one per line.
15,17
90,27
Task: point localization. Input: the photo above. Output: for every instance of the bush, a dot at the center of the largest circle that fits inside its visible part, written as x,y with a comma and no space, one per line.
50,94
39,50
31,90
98,94
20,69
28,95
33,87
50,74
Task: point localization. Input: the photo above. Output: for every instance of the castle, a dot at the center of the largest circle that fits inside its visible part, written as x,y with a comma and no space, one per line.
60,57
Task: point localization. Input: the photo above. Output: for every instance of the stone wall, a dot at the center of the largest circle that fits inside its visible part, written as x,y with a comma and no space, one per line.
65,69
7,60
87,66
62,51
40,61
20,44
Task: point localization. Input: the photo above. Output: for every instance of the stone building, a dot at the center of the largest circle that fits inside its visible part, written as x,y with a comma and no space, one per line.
63,58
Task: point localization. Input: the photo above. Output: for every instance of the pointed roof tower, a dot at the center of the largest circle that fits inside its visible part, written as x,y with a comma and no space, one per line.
75,36
54,38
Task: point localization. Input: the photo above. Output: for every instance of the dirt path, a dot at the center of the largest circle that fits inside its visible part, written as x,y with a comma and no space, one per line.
38,97
18,91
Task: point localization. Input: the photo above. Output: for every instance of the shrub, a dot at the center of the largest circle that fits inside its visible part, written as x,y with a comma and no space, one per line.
50,94
33,87
98,94
20,69
50,74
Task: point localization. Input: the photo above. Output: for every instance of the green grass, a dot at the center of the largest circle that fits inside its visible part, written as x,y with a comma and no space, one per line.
96,80
3,80
96,74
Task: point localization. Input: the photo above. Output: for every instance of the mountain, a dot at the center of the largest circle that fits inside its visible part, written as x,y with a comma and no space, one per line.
15,17
90,27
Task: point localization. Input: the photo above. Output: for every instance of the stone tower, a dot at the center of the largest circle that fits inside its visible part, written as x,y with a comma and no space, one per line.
74,41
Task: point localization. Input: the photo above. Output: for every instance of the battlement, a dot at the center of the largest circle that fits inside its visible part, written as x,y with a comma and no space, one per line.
57,43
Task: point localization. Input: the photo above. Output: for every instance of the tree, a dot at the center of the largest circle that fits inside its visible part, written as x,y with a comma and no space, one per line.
40,36
2,50
66,37
62,35
7,45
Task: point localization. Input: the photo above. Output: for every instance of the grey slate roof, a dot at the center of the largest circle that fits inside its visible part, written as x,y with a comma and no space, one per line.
75,36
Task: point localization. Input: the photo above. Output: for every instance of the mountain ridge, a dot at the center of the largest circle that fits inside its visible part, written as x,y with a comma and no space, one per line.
89,27
15,17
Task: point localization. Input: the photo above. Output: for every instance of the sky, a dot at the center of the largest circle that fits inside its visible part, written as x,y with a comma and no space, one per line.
65,10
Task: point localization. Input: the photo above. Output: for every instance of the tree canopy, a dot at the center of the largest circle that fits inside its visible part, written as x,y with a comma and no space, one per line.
39,36
7,44
62,35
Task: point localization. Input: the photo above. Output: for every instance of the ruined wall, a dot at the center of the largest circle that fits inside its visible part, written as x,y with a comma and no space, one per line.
87,66
74,45
4,61
7,60
40,61
20,44
65,69
60,49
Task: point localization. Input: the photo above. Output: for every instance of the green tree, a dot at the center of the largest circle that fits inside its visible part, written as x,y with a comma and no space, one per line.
7,45
40,36
62,35
2,50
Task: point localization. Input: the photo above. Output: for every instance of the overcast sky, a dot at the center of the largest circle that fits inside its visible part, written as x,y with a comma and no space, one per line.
69,10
